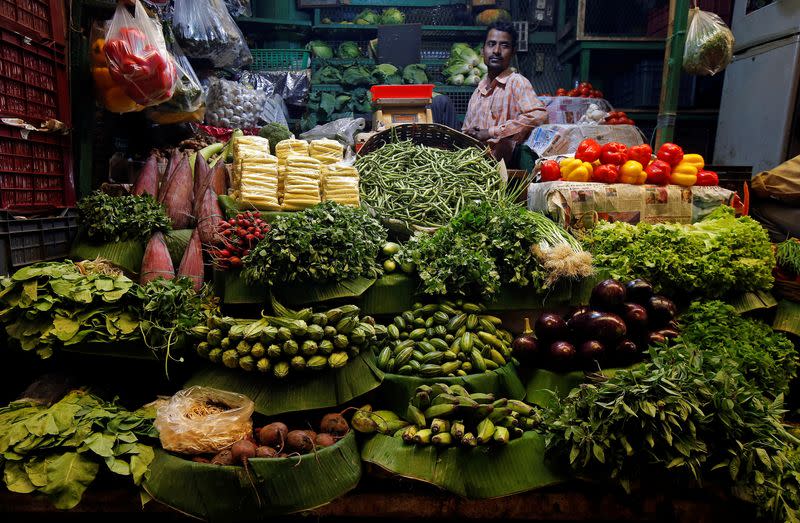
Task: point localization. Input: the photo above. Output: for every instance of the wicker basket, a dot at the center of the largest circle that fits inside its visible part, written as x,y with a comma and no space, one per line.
430,134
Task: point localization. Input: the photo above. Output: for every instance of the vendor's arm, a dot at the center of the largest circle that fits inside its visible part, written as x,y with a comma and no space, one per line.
532,112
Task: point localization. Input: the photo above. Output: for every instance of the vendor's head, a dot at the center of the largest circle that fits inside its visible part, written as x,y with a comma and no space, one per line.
499,46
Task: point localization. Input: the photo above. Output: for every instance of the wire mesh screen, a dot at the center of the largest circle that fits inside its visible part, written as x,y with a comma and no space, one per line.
538,13
540,65
622,18
438,15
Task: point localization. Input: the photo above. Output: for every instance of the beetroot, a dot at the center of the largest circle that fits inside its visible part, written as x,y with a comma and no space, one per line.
192,262
324,440
266,452
156,262
147,181
300,441
243,450
334,424
273,435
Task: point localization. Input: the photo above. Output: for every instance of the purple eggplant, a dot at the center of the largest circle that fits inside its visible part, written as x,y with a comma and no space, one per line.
627,349
639,291
661,311
525,346
654,338
591,350
608,295
550,327
562,354
635,316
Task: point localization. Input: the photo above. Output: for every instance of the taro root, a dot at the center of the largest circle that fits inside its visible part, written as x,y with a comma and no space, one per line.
334,424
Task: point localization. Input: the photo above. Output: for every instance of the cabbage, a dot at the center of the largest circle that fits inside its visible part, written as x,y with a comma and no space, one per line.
348,50
386,74
457,79
393,16
326,75
415,74
356,75
368,17
482,67
472,79
320,49
456,67
465,53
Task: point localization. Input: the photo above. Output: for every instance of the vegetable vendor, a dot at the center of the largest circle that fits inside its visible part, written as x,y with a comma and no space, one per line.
504,108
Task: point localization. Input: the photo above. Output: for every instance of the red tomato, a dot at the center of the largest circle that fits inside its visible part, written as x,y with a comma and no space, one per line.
550,171
613,121
561,91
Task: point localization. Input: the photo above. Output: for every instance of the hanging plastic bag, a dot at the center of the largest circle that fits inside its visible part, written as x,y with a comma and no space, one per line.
709,44
138,60
238,105
206,30
188,102
201,420
343,130
107,92
239,7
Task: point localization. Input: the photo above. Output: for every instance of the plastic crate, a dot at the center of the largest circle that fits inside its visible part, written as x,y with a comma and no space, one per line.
647,85
33,80
30,240
280,59
35,172
43,19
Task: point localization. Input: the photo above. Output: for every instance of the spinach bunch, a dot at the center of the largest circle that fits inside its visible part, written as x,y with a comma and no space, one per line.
326,243
695,411
121,218
58,450
716,256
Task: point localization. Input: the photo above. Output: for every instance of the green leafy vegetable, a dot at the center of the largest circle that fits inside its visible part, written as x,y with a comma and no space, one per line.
320,49
368,17
788,256
327,75
713,257
328,242
392,16
120,218
415,74
348,50
58,450
709,44
274,132
356,75
386,74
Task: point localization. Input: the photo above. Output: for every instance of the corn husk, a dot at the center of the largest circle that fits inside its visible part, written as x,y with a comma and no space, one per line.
326,151
177,196
291,146
209,217
156,262
147,181
192,262
301,185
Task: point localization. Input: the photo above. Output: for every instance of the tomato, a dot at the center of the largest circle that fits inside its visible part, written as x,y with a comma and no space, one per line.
550,171
561,91
613,121
585,85
572,92
628,121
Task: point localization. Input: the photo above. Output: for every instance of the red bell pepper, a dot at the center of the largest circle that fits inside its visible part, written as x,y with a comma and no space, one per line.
614,153
550,171
641,153
707,178
658,173
608,173
670,153
588,150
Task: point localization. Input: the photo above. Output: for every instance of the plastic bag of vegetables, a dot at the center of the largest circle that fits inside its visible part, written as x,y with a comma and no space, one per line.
108,93
188,102
709,44
206,30
238,105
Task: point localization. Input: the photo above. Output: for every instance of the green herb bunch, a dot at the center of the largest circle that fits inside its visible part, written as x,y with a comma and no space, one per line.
788,256
688,413
326,243
58,450
488,244
121,218
716,256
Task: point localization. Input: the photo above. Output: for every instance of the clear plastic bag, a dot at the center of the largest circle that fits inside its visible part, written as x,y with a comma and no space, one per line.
239,7
202,420
138,59
343,130
188,102
709,44
106,91
237,105
206,30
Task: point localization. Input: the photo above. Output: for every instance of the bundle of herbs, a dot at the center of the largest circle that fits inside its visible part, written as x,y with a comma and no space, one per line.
787,256
488,244
58,450
326,243
719,255
695,412
121,218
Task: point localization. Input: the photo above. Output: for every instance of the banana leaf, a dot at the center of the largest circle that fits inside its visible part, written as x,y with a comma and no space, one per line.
125,255
231,287
562,293
284,485
177,241
391,294
787,317
477,473
299,392
544,387
503,382
752,301
307,293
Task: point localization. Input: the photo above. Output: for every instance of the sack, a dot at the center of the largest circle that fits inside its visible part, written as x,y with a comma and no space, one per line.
138,60
709,44
202,420
206,30
781,183
188,102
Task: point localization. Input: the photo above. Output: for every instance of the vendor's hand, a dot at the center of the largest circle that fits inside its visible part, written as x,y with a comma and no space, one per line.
482,135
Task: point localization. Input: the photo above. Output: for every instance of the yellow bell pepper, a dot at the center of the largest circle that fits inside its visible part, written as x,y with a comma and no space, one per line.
632,172
116,101
97,53
684,174
694,159
102,78
574,170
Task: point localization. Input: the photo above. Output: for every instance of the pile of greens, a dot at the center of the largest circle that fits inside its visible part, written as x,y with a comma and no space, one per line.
326,243
787,255
274,132
328,106
61,304
121,218
58,450
716,256
490,244
695,412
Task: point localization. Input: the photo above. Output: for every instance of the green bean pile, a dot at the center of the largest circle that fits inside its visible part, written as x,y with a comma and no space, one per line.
425,186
